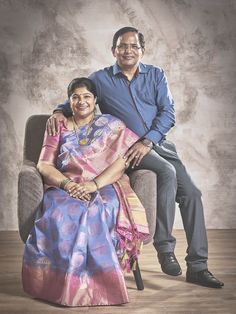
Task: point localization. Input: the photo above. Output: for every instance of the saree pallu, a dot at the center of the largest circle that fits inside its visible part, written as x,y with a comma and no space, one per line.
77,250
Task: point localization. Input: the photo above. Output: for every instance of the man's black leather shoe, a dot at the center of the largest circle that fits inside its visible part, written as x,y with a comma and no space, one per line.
169,264
204,278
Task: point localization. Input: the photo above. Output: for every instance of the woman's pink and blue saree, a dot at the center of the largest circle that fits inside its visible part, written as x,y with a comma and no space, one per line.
77,250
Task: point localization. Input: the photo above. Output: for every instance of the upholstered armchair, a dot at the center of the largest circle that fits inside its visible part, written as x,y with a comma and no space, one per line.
30,184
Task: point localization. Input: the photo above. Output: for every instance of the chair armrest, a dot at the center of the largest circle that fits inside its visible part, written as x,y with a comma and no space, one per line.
144,184
30,195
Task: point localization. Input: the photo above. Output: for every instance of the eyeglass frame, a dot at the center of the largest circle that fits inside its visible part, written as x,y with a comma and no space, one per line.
124,47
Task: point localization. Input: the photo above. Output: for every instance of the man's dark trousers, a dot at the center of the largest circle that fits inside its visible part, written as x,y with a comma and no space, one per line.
175,185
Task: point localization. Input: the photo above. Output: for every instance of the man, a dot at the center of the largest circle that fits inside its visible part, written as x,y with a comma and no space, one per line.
139,95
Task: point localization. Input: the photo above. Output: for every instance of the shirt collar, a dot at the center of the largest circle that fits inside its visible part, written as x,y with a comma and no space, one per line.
141,68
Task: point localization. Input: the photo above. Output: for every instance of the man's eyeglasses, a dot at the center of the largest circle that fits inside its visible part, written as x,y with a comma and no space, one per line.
132,47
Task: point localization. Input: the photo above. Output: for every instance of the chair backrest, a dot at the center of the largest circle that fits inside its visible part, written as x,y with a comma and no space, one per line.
34,133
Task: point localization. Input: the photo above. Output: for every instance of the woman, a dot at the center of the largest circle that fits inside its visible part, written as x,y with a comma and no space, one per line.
85,233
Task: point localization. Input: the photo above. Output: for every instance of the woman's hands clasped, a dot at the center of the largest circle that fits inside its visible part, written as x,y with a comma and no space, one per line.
82,190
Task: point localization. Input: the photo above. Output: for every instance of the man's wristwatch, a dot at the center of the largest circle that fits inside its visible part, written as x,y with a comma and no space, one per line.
147,143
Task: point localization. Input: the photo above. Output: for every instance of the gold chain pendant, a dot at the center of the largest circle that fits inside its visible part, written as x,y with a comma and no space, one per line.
83,141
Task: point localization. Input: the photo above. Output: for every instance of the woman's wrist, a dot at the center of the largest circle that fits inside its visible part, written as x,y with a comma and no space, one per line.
95,182
64,183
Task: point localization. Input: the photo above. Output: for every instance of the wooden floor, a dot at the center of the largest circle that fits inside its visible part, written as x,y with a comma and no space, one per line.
162,295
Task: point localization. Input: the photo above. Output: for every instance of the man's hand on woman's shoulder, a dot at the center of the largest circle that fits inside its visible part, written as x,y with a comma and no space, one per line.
53,123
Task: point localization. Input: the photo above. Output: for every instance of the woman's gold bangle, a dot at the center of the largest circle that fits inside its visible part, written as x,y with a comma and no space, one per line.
64,183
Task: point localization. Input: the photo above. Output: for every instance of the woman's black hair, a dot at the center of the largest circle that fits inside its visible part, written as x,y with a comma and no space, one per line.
128,29
81,82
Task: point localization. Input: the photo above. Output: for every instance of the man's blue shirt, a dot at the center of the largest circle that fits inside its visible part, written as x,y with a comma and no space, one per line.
145,103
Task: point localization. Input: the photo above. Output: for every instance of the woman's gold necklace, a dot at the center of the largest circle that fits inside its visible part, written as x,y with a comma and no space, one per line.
84,140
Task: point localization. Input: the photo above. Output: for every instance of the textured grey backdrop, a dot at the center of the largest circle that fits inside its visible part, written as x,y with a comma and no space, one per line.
45,44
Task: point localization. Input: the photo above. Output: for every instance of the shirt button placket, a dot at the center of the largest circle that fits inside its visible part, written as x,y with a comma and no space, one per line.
134,98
